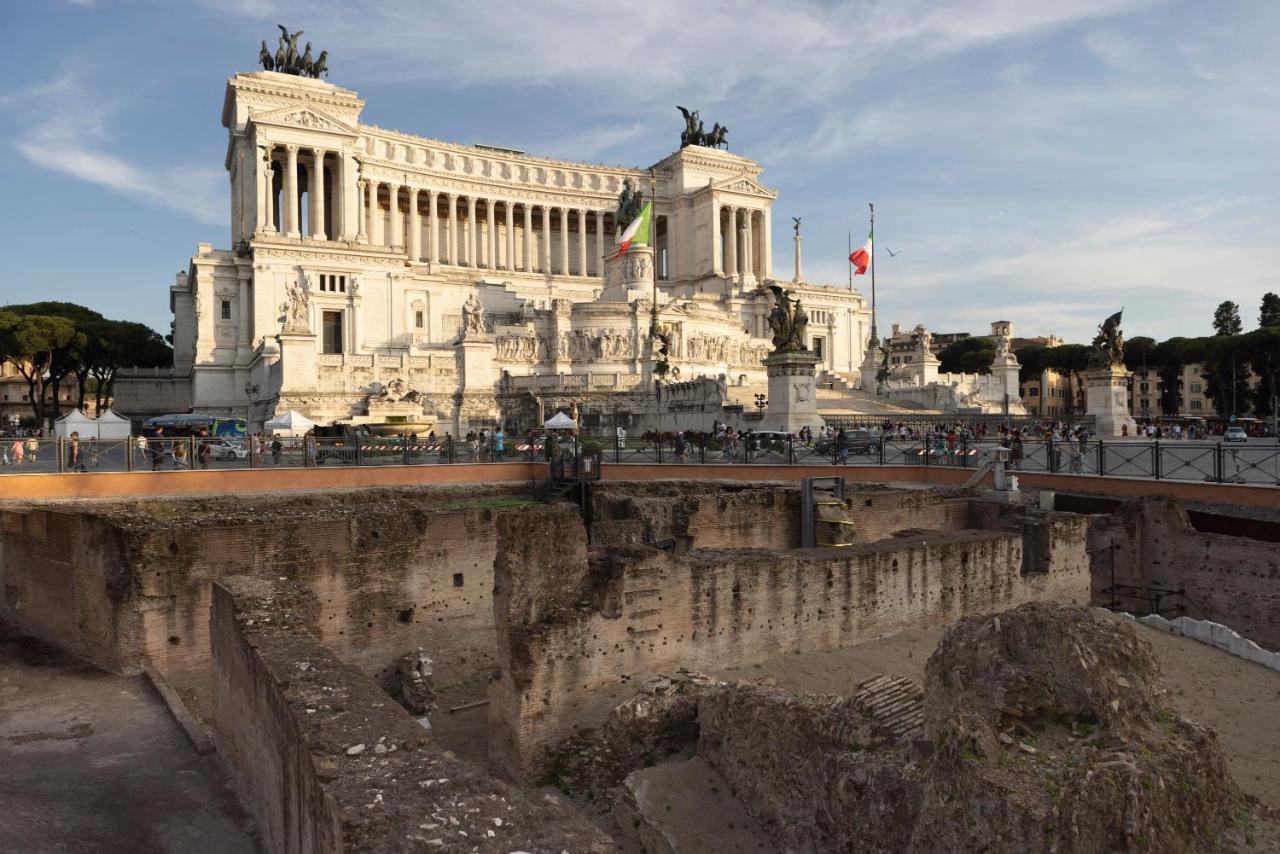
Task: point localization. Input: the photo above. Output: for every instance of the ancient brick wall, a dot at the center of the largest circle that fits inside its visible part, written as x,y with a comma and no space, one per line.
571,650
880,513
1230,580
131,587
327,763
695,515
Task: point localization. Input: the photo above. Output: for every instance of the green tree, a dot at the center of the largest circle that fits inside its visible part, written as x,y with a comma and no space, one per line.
1031,358
967,356
1069,360
1226,319
1139,353
39,346
1269,312
1262,348
125,344
1172,356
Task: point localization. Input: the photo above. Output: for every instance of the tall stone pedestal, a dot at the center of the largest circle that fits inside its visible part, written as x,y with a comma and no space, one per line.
477,408
630,277
793,399
1107,400
297,361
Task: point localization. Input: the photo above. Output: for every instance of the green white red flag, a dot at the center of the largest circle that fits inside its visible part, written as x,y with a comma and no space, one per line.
861,258
637,232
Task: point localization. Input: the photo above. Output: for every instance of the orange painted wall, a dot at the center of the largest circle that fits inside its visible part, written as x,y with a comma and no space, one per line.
240,481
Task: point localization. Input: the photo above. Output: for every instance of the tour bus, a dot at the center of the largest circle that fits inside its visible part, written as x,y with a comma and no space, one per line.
191,423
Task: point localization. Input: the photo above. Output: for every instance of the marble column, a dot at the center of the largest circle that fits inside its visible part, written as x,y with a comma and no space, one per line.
509,262
452,242
362,215
491,239
546,241
374,215
291,192
242,308
564,241
433,238
766,248
397,222
415,227
731,244
315,183
748,245
527,266
717,245
599,243
471,231
582,241
269,181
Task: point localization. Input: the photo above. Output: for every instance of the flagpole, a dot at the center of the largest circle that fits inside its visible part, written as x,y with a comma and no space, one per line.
850,260
873,270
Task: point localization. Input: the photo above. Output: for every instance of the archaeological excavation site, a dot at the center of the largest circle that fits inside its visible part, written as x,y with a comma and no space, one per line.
660,666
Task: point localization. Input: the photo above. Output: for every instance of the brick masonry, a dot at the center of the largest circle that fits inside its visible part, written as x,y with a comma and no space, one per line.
580,629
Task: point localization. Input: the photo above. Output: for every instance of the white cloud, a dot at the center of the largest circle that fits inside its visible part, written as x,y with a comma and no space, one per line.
1115,50
66,130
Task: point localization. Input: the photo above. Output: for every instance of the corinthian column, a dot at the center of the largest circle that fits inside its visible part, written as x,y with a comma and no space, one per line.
527,266
546,240
491,239
748,246
599,266
509,210
564,241
362,213
316,182
582,241
291,192
731,262
717,245
433,241
471,231
415,227
451,244
269,182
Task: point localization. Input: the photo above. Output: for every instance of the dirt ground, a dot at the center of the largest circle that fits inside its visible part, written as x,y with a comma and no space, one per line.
1240,700
94,763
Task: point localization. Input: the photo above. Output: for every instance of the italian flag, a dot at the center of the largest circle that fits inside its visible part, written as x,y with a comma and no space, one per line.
861,258
637,232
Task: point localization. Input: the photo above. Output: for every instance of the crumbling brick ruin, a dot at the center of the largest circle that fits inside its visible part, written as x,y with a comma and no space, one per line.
580,627
298,628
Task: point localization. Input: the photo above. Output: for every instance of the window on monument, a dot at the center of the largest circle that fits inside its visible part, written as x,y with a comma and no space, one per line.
817,347
417,319
331,326
226,309
1195,404
1195,388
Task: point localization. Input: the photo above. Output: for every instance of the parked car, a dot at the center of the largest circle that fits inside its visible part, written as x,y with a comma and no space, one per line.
1235,434
228,449
859,441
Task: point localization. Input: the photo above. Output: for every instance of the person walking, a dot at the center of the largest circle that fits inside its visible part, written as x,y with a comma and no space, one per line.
17,450
499,444
277,450
73,453
203,451
157,448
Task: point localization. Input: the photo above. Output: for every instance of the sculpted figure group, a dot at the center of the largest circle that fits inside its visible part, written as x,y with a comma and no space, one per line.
788,322
1108,344
695,134
288,60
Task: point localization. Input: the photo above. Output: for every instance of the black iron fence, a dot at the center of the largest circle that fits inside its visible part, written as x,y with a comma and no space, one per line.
1211,461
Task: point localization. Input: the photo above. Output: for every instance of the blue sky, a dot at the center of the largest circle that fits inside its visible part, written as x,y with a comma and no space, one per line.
1044,161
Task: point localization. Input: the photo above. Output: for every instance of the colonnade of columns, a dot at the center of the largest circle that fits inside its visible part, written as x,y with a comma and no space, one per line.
471,231
289,172
742,241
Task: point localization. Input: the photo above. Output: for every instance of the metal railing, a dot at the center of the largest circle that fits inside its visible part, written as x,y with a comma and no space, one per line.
1210,461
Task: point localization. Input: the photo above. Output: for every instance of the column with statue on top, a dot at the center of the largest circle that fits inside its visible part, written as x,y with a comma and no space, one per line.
630,272
793,401
1107,382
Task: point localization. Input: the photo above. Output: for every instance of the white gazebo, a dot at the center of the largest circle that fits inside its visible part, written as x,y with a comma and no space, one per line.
560,421
113,426
75,421
291,423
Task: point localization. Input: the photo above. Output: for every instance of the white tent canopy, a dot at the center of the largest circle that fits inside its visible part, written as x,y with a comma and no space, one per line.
113,425
75,421
560,421
292,423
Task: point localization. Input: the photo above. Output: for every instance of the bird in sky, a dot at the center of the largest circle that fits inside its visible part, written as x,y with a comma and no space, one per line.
892,254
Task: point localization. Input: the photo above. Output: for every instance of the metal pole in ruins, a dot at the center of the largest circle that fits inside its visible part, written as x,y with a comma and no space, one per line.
873,271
